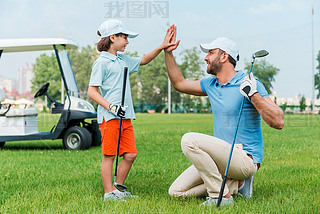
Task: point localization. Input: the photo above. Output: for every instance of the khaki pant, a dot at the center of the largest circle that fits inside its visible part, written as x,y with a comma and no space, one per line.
209,156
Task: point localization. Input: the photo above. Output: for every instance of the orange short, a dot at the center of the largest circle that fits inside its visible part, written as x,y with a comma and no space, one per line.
110,134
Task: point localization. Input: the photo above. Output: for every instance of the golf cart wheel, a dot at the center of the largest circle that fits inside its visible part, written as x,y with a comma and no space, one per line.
2,145
77,137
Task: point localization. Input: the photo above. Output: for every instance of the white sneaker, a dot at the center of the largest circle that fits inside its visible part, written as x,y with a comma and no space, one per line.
125,194
246,189
112,196
213,201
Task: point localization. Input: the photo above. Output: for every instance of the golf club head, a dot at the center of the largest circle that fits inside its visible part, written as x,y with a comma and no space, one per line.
261,53
120,187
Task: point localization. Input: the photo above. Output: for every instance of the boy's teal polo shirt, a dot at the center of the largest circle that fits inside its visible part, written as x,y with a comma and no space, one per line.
107,73
225,102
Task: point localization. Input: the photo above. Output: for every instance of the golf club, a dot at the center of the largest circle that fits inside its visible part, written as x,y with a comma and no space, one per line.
257,54
120,187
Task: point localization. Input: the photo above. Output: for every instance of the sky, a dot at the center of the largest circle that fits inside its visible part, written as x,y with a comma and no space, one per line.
283,27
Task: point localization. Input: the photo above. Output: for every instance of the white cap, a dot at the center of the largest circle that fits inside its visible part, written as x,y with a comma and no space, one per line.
113,26
224,44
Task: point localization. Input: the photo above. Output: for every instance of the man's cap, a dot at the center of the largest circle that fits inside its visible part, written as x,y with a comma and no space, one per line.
114,26
224,44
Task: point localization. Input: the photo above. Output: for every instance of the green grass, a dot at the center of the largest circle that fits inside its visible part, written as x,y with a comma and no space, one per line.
42,177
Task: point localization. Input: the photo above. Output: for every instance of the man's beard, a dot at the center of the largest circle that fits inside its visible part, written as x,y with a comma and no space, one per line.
215,67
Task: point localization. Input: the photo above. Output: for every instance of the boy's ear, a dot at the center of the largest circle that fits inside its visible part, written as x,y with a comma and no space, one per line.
112,38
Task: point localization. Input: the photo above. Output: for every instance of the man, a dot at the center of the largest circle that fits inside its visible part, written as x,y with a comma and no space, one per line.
209,154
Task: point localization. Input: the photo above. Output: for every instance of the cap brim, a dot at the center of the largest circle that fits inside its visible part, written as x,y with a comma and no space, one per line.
131,34
206,47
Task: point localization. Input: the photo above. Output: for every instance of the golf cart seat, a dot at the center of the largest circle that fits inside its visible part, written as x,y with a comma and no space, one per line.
19,121
19,112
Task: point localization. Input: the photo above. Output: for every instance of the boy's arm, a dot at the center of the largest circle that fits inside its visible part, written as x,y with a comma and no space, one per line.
115,109
94,94
165,44
150,56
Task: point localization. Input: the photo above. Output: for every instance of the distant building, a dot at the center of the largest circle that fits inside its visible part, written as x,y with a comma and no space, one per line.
25,75
6,84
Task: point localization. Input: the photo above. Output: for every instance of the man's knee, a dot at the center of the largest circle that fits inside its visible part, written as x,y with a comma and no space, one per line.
130,157
188,141
170,191
174,192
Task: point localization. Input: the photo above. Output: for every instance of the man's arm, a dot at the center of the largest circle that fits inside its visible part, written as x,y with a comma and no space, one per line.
269,111
177,79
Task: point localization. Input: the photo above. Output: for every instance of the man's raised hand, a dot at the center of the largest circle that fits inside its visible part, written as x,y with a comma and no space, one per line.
172,41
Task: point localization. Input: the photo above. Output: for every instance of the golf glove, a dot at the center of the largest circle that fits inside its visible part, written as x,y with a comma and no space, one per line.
118,110
248,86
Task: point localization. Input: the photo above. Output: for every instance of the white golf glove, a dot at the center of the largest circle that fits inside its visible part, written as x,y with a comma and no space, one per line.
118,110
248,86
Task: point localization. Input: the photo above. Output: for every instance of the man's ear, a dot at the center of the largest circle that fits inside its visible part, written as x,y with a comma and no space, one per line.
224,57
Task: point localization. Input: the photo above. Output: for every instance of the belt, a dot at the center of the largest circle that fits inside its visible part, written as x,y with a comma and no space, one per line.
258,164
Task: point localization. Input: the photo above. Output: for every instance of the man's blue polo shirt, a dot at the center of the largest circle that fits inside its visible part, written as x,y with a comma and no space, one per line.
225,102
108,72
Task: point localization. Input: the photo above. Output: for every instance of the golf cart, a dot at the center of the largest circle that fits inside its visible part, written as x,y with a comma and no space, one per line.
20,124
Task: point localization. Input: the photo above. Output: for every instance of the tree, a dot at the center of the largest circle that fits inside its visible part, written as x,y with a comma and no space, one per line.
81,61
148,86
191,64
264,71
46,70
302,102
317,77
284,106
154,82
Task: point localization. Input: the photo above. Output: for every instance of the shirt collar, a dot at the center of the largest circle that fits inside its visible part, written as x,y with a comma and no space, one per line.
110,56
236,77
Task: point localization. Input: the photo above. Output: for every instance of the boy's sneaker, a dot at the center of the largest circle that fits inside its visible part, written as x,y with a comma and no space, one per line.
246,189
213,201
113,196
126,194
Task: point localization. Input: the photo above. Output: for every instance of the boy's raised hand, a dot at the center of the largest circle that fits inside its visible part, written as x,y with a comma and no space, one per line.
172,40
169,39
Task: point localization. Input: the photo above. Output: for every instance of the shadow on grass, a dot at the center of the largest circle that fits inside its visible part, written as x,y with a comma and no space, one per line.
14,146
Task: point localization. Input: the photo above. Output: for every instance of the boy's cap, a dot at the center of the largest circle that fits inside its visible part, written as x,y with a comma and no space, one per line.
113,26
224,44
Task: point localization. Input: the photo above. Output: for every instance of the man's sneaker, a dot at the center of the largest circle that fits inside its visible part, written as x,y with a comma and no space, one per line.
246,189
113,196
213,201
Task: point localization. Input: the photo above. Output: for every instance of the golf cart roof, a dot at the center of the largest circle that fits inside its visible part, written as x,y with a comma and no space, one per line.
34,44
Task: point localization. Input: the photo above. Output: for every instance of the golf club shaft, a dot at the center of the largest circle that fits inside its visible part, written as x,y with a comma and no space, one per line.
232,145
122,104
